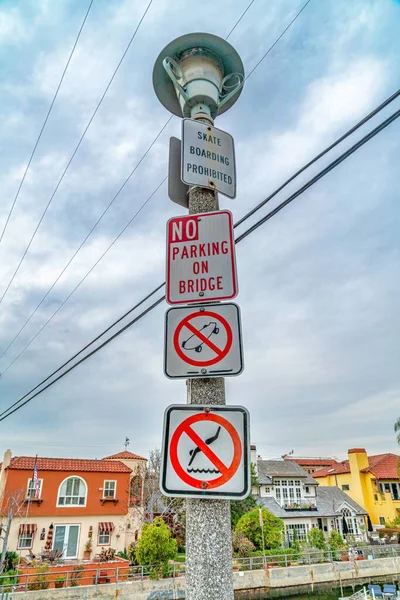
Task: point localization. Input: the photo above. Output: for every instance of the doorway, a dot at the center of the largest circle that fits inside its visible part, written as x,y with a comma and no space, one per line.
66,539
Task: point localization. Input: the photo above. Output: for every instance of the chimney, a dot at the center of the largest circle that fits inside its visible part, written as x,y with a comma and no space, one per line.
358,460
5,464
253,457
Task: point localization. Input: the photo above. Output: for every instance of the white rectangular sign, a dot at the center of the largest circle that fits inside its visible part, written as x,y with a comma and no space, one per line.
203,341
208,157
206,452
201,263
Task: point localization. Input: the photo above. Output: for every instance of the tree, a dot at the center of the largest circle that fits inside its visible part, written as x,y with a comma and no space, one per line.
249,526
316,539
156,546
12,506
397,429
335,541
240,508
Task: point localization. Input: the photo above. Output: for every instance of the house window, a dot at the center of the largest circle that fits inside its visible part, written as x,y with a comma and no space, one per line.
25,536
278,494
289,491
72,492
351,521
381,520
109,489
31,489
296,531
345,487
376,497
104,535
25,540
267,490
104,538
307,490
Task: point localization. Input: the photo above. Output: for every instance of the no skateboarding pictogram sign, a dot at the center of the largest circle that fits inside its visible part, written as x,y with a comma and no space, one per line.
203,341
205,452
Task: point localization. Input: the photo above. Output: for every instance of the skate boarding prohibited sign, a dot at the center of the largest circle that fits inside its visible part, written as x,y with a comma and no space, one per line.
206,452
203,341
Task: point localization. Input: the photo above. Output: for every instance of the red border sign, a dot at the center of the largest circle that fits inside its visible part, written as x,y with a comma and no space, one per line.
227,472
232,258
220,352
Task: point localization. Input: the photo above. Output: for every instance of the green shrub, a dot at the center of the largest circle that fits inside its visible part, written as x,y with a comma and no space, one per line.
156,547
249,526
10,561
40,580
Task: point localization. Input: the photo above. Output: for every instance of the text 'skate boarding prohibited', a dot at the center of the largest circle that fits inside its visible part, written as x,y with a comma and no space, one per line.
201,263
206,452
208,157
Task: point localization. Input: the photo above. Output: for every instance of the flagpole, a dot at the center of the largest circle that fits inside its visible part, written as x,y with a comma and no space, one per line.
29,499
262,534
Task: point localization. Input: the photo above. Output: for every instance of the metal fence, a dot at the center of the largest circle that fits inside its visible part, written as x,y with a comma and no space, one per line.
105,574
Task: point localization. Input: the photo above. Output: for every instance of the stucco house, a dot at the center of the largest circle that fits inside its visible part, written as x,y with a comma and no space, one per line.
289,492
73,501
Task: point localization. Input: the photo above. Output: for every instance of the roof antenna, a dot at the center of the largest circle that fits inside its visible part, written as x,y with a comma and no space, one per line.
126,443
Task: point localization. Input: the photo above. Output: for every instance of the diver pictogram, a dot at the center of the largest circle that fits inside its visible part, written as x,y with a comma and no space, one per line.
193,453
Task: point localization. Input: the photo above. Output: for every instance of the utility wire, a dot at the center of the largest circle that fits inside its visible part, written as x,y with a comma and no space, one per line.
103,214
75,151
83,243
87,274
279,38
45,122
251,229
239,19
360,123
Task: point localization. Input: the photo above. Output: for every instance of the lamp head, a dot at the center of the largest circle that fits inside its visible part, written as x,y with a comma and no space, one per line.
198,72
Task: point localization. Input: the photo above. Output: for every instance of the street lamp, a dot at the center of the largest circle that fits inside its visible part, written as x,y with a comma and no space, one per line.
198,75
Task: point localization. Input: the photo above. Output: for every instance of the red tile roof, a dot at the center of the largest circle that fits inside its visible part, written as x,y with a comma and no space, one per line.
125,455
68,464
337,468
383,466
309,462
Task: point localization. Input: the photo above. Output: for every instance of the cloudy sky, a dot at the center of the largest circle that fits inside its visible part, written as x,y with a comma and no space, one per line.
319,283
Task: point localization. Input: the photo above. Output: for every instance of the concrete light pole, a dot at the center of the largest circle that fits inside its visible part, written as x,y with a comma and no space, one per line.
200,76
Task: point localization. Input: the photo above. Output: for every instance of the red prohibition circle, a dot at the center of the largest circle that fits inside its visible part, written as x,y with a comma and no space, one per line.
227,472
220,352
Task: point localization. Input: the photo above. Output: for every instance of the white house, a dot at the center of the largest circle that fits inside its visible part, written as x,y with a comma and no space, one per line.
289,492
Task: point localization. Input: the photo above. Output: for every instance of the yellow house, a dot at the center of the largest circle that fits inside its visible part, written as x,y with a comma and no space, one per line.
371,481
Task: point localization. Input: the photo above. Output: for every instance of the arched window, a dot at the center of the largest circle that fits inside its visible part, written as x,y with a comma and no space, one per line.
351,521
72,492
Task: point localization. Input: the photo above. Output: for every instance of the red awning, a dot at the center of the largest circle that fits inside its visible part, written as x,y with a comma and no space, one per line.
105,527
27,528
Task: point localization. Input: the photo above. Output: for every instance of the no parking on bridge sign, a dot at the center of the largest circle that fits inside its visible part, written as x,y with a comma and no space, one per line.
206,452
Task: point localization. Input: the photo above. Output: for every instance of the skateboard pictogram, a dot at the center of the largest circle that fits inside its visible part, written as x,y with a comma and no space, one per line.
200,331
224,471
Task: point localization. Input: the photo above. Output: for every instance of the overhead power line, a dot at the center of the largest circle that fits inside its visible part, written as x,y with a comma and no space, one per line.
87,274
45,122
348,133
19,404
106,210
279,38
75,151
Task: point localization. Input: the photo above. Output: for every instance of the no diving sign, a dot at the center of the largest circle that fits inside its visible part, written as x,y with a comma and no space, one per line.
203,341
206,452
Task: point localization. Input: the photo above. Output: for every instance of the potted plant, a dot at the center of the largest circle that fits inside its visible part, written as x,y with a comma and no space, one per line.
88,550
59,581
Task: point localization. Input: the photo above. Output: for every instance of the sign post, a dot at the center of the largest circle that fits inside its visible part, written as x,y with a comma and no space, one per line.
199,76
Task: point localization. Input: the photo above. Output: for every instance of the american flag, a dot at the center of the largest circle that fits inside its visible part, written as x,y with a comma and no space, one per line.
36,479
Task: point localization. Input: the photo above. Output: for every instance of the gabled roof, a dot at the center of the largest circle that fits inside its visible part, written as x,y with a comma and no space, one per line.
267,469
124,455
27,463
